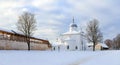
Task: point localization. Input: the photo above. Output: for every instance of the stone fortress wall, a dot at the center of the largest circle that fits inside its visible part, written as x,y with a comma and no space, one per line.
15,41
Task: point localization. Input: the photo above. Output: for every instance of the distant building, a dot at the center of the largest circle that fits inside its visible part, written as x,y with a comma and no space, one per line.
10,40
74,39
99,46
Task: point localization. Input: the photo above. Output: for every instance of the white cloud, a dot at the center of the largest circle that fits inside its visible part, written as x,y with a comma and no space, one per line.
52,14
47,33
38,3
46,5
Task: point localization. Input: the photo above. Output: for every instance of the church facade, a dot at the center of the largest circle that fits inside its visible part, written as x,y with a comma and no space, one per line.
71,40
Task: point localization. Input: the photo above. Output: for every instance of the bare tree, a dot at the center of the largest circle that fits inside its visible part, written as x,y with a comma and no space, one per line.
117,42
109,43
93,33
114,45
27,25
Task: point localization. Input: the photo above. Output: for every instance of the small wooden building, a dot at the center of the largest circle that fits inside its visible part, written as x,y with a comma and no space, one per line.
10,40
99,46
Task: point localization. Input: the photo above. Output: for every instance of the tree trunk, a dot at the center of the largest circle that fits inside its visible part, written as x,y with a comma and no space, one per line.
28,43
93,46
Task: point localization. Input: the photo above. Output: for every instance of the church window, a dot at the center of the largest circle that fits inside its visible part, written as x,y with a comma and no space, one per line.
53,48
76,47
58,48
90,46
68,47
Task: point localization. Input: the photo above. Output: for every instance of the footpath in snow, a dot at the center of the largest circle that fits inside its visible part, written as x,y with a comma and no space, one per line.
107,58
59,58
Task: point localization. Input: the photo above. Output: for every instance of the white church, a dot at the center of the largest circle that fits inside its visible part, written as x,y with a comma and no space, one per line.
73,40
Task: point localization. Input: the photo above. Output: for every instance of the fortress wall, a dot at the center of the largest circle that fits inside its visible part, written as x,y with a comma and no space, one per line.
13,45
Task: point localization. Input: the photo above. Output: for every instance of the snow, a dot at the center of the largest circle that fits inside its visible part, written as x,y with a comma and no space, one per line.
71,32
10,31
107,58
59,57
6,30
18,32
104,45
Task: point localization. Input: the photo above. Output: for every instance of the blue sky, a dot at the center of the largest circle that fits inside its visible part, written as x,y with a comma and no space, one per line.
54,16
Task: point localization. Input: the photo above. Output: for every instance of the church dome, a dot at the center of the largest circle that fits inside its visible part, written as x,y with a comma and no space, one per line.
73,25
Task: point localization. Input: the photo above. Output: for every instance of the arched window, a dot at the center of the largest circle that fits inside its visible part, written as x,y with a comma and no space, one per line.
58,48
76,47
53,48
68,47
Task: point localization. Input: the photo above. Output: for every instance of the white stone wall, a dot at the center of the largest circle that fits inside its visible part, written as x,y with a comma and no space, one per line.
72,41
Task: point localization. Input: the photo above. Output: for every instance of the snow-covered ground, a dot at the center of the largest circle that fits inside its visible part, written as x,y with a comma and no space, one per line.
59,58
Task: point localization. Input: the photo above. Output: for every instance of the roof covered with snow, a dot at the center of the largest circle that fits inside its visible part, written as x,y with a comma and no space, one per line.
18,33
104,45
1,29
10,31
56,43
71,33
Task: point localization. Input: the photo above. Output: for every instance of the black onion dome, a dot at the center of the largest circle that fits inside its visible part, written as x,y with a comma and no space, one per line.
73,25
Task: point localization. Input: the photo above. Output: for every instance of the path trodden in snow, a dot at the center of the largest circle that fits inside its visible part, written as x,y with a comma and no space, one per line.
85,59
110,58
103,58
81,61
